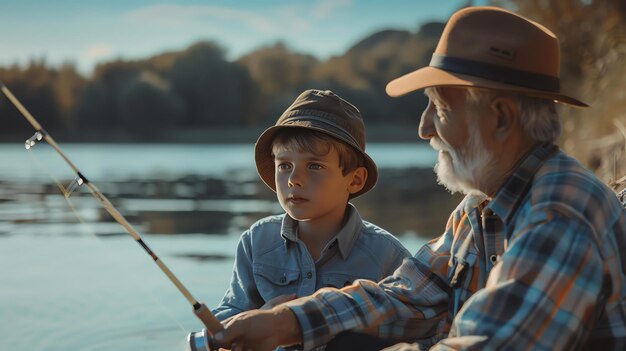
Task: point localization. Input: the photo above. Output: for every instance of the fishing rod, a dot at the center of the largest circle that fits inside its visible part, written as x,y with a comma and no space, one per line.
211,323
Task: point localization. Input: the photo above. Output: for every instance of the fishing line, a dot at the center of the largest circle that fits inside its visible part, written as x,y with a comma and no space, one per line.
67,192
203,313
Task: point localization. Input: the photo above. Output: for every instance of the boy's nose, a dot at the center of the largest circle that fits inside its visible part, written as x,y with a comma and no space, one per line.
294,179
427,127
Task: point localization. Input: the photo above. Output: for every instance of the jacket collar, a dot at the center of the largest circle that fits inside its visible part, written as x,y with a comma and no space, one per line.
345,238
514,189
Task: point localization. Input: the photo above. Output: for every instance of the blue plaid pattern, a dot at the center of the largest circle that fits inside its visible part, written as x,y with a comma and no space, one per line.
539,266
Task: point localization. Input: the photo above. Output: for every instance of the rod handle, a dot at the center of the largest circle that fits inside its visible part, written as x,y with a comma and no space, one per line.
212,324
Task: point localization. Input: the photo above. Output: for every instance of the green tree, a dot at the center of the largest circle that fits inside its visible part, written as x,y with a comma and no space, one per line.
216,92
279,75
149,107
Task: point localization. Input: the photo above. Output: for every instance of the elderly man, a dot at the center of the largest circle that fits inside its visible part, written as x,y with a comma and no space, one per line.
534,257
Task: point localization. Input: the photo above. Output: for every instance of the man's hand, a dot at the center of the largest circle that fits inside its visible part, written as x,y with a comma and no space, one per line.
403,347
277,301
260,330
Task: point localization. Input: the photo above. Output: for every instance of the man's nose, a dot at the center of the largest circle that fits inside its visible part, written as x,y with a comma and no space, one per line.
427,127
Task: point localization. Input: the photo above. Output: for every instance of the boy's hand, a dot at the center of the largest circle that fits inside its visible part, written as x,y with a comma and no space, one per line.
260,330
277,301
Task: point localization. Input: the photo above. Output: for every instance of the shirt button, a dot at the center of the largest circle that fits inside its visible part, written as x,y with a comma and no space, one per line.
283,279
493,259
309,275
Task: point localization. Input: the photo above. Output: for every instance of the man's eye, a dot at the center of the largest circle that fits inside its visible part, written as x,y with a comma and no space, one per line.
441,112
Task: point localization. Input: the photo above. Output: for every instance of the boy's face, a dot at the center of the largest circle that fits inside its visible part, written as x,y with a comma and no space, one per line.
311,187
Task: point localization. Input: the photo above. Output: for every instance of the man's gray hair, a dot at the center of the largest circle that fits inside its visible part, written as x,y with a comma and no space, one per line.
539,118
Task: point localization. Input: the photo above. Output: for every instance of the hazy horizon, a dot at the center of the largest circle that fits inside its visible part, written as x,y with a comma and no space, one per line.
86,34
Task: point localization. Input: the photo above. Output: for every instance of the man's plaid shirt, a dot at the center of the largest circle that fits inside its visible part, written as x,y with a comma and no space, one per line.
540,266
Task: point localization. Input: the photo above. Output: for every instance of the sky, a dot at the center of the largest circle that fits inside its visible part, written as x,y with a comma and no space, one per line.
88,32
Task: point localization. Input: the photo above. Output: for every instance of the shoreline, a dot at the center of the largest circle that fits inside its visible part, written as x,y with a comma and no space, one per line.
217,135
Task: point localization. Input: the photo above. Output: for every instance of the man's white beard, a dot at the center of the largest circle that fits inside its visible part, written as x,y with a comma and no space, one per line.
462,171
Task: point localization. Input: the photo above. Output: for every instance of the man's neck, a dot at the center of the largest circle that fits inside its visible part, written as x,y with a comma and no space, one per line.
508,162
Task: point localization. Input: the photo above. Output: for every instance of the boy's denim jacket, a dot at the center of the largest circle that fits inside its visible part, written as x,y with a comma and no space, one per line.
271,261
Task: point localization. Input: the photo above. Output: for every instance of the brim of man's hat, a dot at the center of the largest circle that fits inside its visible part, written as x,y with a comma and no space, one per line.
265,161
429,77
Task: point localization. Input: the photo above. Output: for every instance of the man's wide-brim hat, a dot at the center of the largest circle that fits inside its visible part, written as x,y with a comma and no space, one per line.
488,47
324,112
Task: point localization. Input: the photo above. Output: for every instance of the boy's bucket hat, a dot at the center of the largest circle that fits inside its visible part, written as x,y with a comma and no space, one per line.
488,47
325,112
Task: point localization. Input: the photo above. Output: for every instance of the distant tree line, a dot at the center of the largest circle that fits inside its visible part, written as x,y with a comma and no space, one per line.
198,88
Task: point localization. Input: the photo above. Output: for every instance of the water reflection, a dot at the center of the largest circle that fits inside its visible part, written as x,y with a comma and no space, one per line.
404,201
189,189
87,285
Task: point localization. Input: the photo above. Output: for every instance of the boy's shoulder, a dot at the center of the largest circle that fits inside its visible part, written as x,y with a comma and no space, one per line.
265,232
375,234
370,228
271,221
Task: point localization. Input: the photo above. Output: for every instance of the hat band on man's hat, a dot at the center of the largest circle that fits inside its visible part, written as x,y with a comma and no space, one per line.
496,73
487,47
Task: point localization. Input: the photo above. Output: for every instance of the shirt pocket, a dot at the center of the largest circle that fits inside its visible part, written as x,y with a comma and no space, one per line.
275,281
336,280
459,268
460,278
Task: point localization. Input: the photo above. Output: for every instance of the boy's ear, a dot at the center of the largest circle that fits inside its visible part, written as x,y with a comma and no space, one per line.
359,176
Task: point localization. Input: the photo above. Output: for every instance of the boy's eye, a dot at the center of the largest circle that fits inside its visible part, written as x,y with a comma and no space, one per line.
315,166
283,166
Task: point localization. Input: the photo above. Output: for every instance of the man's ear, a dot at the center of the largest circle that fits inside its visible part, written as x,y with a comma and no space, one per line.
506,113
359,176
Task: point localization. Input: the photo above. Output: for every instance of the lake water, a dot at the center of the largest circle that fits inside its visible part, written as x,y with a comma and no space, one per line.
84,285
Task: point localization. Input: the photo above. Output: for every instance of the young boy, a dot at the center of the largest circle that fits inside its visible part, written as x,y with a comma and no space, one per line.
314,159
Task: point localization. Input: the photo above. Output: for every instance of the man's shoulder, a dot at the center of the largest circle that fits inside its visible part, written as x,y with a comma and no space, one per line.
564,185
561,178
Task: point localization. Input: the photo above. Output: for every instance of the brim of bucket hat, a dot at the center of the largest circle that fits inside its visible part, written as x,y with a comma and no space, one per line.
265,161
428,77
